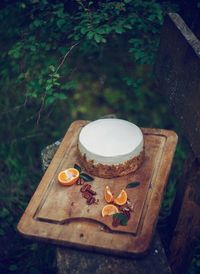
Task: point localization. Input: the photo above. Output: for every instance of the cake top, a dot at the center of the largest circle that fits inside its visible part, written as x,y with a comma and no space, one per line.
110,138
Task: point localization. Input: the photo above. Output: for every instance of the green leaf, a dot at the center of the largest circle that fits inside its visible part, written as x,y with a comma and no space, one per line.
60,96
103,40
119,29
4,213
128,26
77,167
60,22
52,68
124,222
86,177
97,38
37,23
127,1
133,184
84,30
90,34
50,100
122,217
13,267
2,232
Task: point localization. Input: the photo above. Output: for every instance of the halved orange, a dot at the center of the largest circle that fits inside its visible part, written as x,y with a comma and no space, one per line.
108,195
122,198
68,176
109,210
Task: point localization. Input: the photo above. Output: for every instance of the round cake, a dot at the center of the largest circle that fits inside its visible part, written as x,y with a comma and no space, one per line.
110,147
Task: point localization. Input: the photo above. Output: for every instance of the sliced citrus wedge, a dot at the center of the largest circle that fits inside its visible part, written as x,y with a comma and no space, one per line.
109,210
68,176
122,198
108,195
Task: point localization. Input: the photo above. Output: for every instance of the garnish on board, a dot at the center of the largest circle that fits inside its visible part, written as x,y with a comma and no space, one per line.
133,184
88,194
108,196
86,189
123,216
74,175
77,167
120,219
84,176
109,210
120,207
121,198
68,176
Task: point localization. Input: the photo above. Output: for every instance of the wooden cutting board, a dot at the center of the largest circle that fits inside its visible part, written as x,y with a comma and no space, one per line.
60,214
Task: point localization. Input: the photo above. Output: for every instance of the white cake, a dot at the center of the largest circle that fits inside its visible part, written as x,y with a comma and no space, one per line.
110,147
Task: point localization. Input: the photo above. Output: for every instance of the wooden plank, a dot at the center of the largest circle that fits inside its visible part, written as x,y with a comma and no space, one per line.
188,226
39,222
177,75
63,204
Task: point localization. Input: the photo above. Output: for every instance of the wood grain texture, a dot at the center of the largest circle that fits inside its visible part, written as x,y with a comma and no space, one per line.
65,204
177,75
48,211
187,229
177,72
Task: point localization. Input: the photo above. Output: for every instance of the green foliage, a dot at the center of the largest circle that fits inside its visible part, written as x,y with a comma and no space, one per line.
34,55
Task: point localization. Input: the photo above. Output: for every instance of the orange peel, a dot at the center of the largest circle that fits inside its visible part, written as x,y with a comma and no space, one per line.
108,195
68,176
109,210
121,198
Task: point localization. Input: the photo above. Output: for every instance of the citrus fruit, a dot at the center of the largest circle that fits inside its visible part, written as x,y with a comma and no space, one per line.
109,210
121,198
68,176
108,195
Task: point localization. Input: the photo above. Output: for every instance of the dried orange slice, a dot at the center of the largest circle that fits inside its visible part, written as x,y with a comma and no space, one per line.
108,195
68,176
109,210
122,198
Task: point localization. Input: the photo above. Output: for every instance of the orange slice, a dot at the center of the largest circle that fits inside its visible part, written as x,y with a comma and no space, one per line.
122,198
108,195
68,176
109,210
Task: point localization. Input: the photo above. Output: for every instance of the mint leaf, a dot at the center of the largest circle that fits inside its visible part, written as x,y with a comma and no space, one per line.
86,177
77,167
122,217
133,184
124,222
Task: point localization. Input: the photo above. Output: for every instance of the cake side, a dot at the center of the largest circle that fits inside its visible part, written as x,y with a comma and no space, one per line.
111,171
